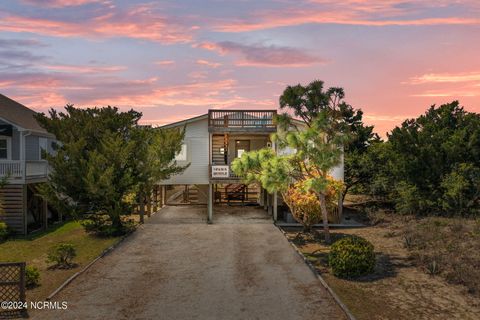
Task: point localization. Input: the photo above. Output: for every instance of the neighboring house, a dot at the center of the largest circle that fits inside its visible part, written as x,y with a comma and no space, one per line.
212,141
22,166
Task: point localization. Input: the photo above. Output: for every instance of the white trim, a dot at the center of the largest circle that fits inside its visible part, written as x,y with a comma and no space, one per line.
19,128
183,122
36,132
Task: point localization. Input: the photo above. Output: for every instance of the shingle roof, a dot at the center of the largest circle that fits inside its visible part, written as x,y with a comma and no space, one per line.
19,115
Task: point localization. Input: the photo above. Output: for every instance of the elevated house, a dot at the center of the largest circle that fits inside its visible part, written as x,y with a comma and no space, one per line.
23,143
212,141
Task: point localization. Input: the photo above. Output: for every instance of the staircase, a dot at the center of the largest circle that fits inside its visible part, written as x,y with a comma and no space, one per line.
191,194
235,192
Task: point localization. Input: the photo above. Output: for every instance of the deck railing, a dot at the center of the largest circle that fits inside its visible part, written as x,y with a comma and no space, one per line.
242,119
17,169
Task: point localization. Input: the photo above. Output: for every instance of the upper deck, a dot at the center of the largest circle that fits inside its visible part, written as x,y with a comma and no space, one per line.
254,121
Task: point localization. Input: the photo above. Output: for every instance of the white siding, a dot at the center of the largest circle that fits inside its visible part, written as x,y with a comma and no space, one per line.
196,139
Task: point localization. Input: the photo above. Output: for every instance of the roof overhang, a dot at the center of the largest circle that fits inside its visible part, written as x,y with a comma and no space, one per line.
184,122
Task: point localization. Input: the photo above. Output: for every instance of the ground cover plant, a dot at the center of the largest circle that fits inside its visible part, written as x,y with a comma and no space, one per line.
34,250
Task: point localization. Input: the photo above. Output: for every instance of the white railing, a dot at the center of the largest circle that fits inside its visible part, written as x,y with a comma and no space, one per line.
16,169
11,168
36,168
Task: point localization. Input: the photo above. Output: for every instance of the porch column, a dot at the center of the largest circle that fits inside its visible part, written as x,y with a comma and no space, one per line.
210,203
142,208
164,195
269,204
275,206
265,200
149,204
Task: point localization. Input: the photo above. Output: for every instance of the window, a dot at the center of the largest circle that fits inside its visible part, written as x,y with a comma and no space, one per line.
182,155
42,143
3,148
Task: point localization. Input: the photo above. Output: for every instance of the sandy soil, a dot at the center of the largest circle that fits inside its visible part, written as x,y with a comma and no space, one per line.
178,267
397,289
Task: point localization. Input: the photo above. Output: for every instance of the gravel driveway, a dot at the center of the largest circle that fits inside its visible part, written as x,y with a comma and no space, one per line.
178,267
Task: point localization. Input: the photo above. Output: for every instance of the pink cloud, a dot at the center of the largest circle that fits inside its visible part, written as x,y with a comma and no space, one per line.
165,62
446,77
354,12
83,69
208,63
138,23
453,85
449,93
261,55
61,3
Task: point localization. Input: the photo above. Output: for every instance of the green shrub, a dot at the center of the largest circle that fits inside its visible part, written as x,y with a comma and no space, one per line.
62,255
352,257
32,276
3,231
101,225
461,189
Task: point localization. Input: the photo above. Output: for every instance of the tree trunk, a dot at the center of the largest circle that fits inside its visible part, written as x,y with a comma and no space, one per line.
323,208
116,221
142,208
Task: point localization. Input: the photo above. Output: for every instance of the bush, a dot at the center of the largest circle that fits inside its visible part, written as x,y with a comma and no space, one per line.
305,205
32,276
3,231
62,255
352,257
101,225
461,190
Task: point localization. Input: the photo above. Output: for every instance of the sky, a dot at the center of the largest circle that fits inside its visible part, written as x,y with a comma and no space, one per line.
176,59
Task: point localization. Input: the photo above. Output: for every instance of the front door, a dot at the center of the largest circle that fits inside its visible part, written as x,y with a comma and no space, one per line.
241,146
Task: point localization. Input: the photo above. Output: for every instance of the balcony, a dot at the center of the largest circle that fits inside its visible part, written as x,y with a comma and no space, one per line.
242,121
16,170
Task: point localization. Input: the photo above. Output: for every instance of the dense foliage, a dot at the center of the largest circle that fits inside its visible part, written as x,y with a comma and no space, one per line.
431,164
3,231
351,257
308,102
32,277
305,205
103,161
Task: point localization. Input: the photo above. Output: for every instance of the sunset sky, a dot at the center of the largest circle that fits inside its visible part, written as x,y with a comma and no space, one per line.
176,59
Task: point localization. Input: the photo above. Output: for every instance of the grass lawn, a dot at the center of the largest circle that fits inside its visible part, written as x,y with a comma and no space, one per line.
401,288
34,249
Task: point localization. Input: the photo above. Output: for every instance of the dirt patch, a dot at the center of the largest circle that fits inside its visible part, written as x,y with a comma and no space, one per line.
398,289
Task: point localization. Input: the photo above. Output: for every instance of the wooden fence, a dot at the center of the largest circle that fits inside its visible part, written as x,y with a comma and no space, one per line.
12,288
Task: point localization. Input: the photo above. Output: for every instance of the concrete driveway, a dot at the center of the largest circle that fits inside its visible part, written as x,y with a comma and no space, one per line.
178,267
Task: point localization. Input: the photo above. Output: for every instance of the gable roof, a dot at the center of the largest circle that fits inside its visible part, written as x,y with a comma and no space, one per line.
184,122
19,115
